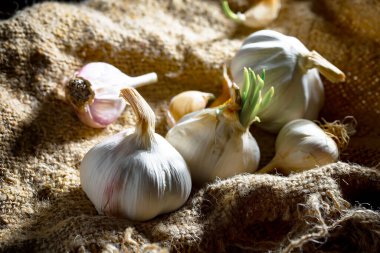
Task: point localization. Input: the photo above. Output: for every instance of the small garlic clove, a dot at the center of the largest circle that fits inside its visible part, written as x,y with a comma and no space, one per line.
259,15
185,103
302,145
94,92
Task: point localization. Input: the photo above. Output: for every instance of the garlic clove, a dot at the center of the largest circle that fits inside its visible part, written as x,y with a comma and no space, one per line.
94,92
102,112
187,102
301,145
260,15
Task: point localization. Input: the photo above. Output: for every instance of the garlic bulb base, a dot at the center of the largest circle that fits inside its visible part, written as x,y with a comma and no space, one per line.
79,92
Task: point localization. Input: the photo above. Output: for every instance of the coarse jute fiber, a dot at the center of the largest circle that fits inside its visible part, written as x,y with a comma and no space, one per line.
334,208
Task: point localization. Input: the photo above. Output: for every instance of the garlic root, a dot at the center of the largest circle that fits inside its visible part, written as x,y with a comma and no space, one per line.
339,131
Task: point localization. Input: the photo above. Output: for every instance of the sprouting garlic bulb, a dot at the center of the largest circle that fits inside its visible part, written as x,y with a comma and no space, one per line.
301,145
187,102
216,142
94,92
135,174
259,15
292,70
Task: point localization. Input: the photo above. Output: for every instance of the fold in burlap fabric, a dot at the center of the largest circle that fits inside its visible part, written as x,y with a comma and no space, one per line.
42,206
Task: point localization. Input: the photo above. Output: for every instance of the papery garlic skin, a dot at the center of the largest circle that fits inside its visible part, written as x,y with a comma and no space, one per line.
301,145
299,89
232,151
135,174
105,82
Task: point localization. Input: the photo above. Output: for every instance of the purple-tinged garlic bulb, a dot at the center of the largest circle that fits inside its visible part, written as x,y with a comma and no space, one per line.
94,92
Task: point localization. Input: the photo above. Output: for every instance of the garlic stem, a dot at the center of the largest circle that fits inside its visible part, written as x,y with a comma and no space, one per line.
139,81
145,116
326,68
237,17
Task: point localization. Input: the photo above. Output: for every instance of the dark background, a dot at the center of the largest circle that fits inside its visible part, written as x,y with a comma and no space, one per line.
9,7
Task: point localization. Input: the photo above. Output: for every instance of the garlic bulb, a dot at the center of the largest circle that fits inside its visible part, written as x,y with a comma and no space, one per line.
301,145
292,70
260,15
187,102
94,92
216,142
135,174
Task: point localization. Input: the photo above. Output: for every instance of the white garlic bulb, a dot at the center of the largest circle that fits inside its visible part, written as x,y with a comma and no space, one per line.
259,15
216,142
94,92
135,174
301,145
187,102
292,70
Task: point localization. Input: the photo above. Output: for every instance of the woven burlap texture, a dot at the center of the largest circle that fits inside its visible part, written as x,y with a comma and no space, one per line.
42,206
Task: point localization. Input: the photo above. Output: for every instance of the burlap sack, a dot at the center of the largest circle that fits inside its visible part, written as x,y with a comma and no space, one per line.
42,206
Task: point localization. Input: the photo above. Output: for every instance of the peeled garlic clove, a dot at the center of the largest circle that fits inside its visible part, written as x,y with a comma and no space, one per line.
260,15
292,70
94,92
187,102
216,142
301,145
135,174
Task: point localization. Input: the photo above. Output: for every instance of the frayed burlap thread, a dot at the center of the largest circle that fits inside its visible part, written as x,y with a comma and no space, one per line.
42,205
